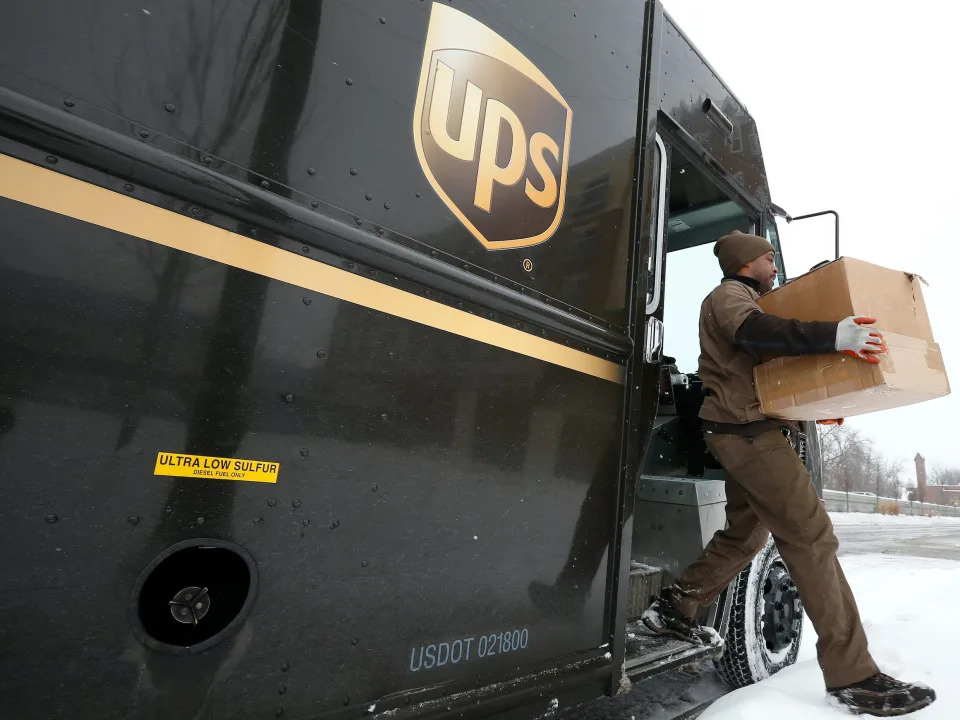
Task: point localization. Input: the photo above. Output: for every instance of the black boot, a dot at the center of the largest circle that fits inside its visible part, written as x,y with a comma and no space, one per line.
663,618
883,696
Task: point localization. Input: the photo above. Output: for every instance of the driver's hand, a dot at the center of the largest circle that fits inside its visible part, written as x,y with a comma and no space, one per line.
859,341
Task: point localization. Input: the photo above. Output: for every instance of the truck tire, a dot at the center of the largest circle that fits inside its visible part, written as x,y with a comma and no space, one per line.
766,621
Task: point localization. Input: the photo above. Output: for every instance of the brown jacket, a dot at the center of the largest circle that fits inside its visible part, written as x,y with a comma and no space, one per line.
726,370
734,334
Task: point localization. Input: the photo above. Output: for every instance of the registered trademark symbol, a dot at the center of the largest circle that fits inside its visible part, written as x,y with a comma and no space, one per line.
528,265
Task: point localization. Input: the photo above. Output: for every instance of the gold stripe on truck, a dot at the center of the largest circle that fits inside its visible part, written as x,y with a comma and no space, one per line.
50,190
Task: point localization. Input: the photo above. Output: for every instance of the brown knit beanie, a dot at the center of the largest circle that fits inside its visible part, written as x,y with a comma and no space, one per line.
737,249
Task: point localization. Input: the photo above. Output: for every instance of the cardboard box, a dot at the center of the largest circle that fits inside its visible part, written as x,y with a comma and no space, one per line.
848,287
822,387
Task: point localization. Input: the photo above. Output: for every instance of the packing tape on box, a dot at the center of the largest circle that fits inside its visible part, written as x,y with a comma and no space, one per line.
935,358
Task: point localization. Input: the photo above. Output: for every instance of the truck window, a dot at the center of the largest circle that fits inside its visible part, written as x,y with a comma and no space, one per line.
699,214
773,236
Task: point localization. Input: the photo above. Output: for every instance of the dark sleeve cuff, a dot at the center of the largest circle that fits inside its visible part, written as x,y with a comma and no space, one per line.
765,335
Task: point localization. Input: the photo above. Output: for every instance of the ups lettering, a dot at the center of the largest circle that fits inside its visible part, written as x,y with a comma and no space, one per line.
491,132
497,116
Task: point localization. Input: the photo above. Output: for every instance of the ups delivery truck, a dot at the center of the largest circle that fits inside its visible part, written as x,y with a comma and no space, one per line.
334,373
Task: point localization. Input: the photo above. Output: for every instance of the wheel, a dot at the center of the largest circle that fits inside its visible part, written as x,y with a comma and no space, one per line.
766,621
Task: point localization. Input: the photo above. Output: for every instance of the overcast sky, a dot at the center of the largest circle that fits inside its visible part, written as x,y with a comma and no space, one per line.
856,106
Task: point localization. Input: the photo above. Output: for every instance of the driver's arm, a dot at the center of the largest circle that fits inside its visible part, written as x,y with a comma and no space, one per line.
764,335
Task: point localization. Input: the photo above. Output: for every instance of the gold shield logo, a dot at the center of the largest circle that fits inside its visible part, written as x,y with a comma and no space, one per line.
491,132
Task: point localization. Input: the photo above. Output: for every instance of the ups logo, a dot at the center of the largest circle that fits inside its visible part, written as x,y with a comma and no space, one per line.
492,133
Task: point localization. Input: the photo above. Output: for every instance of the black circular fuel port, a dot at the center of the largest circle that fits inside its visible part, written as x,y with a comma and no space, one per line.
193,595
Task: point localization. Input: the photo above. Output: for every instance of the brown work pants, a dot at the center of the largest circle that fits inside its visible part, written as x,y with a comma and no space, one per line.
769,489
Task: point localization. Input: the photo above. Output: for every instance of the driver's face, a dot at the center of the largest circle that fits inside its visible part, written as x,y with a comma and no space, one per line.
764,271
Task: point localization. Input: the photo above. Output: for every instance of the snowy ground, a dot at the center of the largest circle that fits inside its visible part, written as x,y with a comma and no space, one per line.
860,533
905,574
904,602
843,520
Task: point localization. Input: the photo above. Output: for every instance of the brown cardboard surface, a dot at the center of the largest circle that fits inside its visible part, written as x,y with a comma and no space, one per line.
848,287
825,387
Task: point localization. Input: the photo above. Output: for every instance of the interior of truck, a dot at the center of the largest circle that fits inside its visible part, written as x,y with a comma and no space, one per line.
699,212
680,497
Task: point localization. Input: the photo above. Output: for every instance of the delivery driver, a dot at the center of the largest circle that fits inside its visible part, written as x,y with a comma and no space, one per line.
768,488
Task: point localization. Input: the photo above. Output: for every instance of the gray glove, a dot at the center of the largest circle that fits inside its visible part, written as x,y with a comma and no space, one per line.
860,342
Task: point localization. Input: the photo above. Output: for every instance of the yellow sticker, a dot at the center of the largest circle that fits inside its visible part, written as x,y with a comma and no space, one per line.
216,468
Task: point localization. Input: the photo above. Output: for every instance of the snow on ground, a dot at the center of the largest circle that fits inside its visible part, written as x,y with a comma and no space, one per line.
842,519
905,603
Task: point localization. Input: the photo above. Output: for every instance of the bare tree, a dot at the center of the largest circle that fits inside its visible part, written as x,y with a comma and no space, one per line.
845,452
851,463
897,485
944,476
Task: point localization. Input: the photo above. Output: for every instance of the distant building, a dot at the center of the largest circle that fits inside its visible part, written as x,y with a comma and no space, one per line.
935,494
921,478
944,494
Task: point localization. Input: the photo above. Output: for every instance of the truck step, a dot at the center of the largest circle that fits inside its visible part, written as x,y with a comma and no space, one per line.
645,584
648,654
